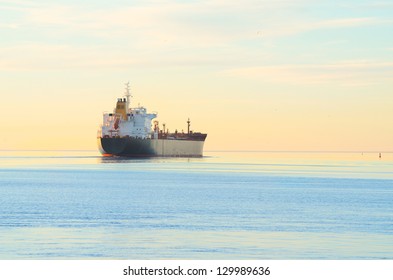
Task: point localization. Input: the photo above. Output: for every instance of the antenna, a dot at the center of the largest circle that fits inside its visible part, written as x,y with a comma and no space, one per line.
128,94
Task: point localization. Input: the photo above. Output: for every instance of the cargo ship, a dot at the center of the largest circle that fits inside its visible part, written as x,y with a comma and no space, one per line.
133,132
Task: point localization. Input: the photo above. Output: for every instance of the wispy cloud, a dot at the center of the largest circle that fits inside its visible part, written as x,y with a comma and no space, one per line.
371,5
346,73
196,22
8,26
33,57
56,35
44,57
298,26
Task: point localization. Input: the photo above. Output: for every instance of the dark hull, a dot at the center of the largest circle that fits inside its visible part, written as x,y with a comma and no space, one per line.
132,147
126,147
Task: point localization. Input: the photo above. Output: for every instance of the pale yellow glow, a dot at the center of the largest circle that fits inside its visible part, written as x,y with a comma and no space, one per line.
250,77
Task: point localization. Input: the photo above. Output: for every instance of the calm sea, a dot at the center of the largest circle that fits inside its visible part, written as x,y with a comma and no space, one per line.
226,205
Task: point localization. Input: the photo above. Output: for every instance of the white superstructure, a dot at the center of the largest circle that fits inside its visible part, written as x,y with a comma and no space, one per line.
126,121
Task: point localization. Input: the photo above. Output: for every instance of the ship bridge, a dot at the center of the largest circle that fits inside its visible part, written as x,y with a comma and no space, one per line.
127,122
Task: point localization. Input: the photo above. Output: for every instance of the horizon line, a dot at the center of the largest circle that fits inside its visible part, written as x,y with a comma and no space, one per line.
236,151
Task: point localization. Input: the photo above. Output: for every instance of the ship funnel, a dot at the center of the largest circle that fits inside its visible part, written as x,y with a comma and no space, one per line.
121,108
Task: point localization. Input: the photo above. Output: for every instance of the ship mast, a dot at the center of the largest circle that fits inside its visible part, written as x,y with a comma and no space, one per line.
128,95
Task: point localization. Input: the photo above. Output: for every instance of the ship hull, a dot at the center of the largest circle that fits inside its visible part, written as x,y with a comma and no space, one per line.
133,147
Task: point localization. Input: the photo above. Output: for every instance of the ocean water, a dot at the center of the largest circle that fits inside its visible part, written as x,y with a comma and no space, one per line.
226,205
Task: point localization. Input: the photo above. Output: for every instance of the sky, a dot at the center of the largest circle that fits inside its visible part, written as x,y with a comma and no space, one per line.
263,75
